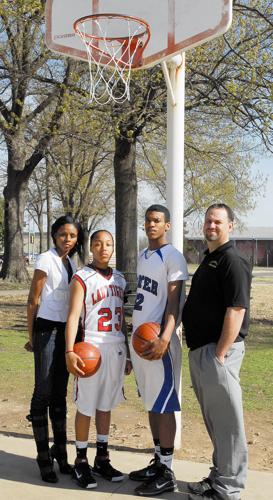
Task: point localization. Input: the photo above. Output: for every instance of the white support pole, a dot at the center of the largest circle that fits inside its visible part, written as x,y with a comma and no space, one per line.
168,82
174,72
175,147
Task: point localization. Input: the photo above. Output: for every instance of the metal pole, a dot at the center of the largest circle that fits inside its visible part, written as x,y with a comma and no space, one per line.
174,72
175,148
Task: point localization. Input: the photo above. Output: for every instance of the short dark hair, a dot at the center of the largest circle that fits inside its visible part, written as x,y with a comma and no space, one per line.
159,208
68,219
229,211
93,235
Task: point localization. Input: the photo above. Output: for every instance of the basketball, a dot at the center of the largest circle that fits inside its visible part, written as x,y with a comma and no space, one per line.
90,356
147,332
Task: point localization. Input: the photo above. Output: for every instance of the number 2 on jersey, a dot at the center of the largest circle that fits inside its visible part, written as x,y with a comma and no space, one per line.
139,302
104,322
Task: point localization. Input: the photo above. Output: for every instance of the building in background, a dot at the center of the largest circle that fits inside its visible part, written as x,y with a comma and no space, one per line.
256,243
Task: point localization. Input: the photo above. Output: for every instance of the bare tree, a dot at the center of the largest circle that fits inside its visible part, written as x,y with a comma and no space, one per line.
31,83
130,122
217,167
36,202
80,165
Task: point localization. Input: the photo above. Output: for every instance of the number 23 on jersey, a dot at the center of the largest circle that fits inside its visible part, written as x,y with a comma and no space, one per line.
108,321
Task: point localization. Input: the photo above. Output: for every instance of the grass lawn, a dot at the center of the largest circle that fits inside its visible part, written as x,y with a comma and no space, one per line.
16,367
16,370
257,369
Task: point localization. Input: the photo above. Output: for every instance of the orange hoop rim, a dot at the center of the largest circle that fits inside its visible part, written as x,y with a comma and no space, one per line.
92,39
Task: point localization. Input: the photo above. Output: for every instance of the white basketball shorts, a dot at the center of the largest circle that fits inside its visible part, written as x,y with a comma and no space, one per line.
159,381
104,390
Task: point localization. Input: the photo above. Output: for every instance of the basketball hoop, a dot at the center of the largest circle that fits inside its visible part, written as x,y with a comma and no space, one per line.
114,44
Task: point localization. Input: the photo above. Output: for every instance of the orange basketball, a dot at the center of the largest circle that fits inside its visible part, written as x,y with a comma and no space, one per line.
147,332
90,356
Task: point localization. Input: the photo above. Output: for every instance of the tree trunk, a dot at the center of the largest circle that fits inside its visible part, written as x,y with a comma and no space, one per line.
86,246
126,205
15,192
42,243
86,239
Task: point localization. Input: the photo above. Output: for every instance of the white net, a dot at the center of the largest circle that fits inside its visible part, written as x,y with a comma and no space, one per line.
114,44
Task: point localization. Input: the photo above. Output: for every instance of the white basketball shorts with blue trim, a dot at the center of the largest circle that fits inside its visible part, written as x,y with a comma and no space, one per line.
159,381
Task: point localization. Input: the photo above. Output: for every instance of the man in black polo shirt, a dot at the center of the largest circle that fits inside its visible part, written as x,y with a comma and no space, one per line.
215,318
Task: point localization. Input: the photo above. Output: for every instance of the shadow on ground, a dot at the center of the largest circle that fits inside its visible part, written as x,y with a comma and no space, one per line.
21,469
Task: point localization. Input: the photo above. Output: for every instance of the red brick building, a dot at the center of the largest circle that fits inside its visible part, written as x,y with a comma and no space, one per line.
254,242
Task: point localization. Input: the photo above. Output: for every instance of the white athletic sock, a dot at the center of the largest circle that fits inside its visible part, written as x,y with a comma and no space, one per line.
167,460
81,444
157,450
157,447
102,438
102,446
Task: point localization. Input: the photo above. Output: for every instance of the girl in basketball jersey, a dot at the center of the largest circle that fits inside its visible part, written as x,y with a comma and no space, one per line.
47,311
97,296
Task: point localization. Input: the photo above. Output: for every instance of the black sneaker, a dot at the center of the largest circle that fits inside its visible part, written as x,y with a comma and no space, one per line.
147,473
104,469
200,487
164,480
82,475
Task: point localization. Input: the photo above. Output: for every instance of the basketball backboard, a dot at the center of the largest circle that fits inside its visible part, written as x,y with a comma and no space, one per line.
175,25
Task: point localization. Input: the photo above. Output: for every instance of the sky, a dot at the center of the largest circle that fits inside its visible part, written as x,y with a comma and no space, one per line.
262,215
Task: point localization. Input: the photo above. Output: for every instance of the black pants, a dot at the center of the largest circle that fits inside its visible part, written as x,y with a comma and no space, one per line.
51,378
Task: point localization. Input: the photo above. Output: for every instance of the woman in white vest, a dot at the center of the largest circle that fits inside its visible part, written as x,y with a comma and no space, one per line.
47,311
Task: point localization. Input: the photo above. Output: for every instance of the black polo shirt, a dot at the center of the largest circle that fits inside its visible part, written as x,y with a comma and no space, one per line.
222,280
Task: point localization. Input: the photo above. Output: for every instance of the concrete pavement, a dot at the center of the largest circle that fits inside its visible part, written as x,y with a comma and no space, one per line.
20,477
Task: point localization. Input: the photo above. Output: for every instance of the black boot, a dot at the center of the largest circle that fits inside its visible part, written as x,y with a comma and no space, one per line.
39,421
61,459
58,450
46,469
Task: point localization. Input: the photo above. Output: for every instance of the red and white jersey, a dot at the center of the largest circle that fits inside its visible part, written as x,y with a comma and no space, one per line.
102,312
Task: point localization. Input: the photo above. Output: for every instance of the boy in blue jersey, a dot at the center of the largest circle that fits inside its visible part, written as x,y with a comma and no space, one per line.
161,272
